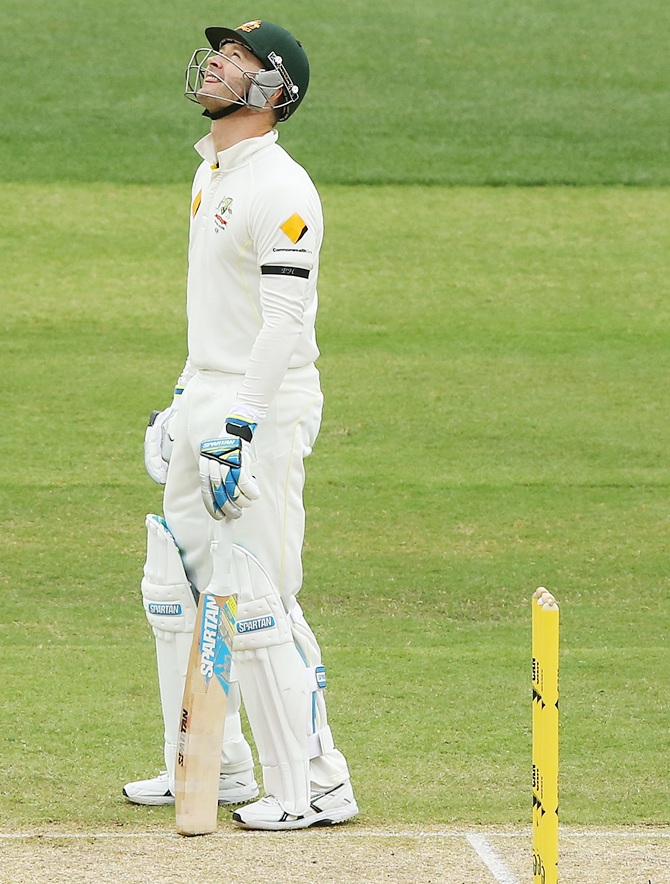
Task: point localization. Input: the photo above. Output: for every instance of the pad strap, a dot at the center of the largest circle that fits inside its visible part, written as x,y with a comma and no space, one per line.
316,678
321,742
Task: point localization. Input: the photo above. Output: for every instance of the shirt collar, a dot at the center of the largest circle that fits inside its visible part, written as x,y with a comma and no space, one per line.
237,155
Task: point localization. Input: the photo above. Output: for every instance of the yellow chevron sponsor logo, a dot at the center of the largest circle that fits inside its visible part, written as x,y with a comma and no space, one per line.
294,227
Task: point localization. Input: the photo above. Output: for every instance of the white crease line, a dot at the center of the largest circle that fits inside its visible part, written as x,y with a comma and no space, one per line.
633,833
335,833
491,859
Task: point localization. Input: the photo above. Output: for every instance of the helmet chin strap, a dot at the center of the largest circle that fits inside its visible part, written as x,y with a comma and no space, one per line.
224,112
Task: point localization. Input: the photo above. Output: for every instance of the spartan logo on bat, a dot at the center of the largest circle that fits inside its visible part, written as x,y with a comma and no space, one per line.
181,742
223,213
208,637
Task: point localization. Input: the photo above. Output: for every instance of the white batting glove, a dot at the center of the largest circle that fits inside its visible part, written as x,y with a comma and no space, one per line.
225,480
158,443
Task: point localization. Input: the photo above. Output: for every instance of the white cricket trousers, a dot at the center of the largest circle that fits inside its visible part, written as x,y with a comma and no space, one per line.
273,527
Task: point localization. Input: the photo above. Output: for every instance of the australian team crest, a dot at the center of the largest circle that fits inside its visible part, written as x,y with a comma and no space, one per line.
223,213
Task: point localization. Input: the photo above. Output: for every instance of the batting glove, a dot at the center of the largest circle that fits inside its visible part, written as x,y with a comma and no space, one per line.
158,441
225,481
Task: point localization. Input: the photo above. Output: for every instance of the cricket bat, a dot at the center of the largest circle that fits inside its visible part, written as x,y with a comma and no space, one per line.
205,698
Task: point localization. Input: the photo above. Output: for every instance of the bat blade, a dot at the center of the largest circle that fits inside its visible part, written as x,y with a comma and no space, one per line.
203,715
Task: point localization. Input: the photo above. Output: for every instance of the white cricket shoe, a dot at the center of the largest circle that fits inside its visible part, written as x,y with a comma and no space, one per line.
234,788
326,809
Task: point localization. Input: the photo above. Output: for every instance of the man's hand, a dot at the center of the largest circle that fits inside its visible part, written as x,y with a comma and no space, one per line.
158,444
225,481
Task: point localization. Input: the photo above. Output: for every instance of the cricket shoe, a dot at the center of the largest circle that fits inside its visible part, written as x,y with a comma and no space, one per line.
325,809
236,788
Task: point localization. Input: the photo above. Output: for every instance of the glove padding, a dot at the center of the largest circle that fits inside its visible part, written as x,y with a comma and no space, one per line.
158,444
225,481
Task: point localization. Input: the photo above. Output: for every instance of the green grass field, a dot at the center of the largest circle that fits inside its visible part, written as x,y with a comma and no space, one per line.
465,92
493,361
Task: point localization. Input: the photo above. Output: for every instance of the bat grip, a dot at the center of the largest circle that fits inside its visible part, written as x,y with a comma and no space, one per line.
222,558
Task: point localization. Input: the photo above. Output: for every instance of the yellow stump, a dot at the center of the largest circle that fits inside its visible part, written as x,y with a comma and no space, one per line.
545,642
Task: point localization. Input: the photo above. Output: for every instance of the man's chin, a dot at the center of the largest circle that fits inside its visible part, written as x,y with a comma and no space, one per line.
212,103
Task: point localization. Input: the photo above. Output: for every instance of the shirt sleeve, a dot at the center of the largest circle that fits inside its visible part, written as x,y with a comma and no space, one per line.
287,229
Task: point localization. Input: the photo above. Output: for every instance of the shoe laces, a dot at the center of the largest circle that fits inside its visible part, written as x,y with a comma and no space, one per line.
269,801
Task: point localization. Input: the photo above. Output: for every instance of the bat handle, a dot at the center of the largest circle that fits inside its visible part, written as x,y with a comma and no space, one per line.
222,558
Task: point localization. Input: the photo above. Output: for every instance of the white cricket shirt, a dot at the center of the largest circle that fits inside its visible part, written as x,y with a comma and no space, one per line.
255,234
